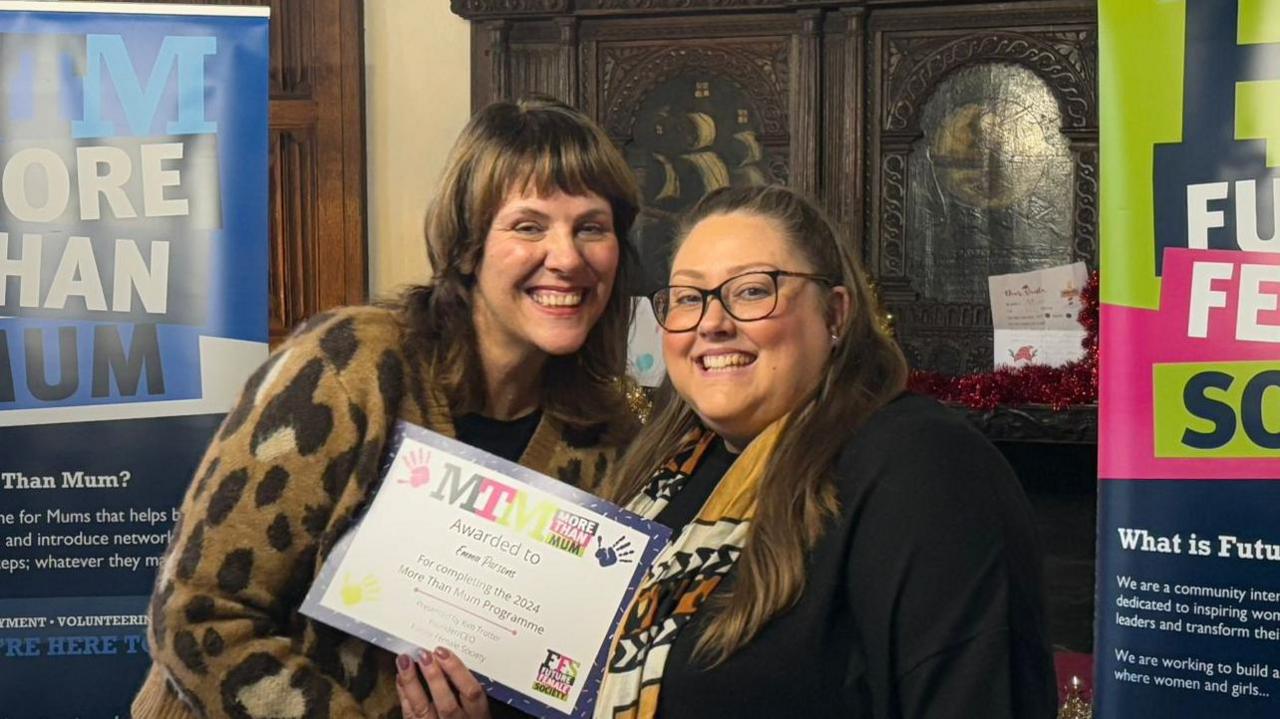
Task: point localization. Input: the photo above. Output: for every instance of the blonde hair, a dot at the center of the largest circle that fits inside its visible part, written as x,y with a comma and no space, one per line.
797,493
539,146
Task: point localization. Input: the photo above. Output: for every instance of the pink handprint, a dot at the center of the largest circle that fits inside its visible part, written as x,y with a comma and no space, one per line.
417,462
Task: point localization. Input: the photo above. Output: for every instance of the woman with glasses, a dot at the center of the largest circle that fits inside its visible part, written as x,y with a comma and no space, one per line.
843,549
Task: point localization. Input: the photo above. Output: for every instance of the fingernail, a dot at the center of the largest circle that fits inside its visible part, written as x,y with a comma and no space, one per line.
403,662
424,658
442,652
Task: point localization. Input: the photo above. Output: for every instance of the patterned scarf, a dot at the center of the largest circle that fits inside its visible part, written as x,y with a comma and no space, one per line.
684,574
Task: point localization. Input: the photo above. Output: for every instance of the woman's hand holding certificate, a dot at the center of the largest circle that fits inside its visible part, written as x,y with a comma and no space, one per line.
522,576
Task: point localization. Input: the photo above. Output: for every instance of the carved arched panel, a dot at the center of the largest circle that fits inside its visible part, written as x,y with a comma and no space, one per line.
1061,59
993,182
984,149
759,68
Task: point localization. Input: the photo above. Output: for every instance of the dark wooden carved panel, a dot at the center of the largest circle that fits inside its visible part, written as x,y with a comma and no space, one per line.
915,64
293,48
630,73
320,110
539,58
537,70
984,144
925,127
889,248
1085,201
293,237
841,141
480,8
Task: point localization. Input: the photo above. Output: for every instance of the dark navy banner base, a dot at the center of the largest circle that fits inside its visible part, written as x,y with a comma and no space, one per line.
1188,599
100,667
52,633
126,513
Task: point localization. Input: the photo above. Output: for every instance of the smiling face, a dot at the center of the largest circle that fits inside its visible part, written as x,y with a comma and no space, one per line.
741,376
545,275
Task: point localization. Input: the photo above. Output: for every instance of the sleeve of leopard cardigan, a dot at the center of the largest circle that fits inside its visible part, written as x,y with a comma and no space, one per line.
294,457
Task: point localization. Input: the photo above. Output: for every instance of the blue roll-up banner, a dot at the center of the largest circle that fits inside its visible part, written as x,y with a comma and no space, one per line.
133,290
1188,586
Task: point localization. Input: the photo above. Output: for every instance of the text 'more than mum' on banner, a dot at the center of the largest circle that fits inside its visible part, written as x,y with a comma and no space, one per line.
133,290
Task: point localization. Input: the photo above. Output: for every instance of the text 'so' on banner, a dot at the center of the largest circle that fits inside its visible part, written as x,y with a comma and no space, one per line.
133,290
1188,614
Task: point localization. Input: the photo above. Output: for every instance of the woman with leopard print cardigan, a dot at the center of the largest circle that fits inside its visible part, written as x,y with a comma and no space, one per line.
512,346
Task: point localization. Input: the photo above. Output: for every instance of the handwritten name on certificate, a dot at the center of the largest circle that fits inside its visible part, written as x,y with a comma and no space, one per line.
521,575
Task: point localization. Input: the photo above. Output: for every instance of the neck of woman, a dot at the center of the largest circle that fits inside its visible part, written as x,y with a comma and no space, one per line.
512,378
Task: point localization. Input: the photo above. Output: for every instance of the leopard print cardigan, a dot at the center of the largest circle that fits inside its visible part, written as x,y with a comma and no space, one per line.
286,473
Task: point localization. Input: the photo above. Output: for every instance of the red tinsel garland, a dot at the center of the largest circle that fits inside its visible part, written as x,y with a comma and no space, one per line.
1075,383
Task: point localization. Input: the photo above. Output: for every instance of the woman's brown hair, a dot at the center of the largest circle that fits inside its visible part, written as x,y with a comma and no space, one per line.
539,146
797,495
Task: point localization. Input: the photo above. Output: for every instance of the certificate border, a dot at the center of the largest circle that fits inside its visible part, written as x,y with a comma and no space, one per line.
657,534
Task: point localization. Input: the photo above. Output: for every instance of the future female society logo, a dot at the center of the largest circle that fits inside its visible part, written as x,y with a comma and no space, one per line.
556,675
541,519
1218,188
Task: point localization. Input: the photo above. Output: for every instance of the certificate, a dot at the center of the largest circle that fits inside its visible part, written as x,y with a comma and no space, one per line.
1036,316
522,576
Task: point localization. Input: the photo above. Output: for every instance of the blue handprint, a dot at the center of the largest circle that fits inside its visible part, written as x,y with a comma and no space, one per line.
619,551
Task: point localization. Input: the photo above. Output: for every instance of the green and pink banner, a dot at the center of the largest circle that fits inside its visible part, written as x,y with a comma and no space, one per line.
1188,616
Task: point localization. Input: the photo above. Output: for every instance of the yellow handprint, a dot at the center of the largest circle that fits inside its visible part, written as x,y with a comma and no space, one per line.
366,590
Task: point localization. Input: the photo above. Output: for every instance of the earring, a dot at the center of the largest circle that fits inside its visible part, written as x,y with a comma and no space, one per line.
835,338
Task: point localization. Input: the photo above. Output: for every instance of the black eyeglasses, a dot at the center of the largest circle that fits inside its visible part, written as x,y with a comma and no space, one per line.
747,297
